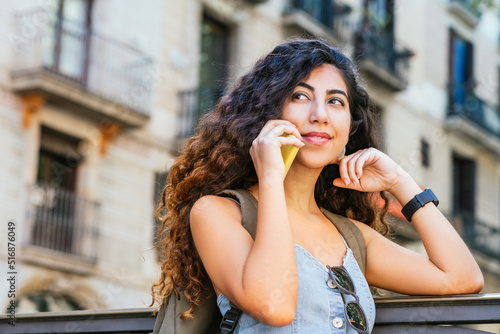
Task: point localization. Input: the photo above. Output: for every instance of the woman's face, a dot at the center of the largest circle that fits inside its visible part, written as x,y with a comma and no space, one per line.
319,107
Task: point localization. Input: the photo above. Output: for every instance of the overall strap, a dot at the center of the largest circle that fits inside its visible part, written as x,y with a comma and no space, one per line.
352,235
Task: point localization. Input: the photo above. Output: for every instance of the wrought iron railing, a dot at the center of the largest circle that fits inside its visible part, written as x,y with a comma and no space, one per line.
442,314
332,14
478,235
187,115
463,102
193,104
102,65
381,48
472,6
62,221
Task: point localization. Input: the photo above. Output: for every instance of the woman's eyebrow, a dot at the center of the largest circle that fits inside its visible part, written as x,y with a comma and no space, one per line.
329,92
303,84
336,91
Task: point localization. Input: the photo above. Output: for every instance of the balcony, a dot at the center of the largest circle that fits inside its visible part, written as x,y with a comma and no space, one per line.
444,314
470,115
80,70
62,229
479,235
468,11
327,19
380,58
193,104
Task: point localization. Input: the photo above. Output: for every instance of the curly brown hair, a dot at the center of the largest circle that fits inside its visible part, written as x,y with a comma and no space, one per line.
217,158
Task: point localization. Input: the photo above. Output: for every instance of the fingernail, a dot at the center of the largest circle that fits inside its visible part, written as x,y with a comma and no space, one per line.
346,181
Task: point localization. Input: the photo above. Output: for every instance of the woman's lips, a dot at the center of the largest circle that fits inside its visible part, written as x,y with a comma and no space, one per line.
317,138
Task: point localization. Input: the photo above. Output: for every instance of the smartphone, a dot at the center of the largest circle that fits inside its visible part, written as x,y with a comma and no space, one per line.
288,152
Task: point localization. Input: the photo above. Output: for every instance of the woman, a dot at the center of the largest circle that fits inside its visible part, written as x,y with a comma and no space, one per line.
309,90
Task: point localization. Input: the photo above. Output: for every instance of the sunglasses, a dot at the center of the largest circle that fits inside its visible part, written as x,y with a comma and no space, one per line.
353,311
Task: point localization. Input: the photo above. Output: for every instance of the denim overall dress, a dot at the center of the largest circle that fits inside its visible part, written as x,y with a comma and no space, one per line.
320,308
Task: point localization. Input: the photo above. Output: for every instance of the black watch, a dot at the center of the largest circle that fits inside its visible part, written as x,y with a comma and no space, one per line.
417,202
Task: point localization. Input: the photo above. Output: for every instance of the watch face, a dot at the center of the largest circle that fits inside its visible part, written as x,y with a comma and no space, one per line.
433,197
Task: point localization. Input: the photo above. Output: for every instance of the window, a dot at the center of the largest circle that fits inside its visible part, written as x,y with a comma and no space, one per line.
460,69
213,63
56,206
464,194
381,13
320,10
58,159
424,152
375,37
72,39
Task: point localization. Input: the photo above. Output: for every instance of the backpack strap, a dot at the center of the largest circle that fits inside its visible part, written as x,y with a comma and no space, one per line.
351,234
248,205
205,320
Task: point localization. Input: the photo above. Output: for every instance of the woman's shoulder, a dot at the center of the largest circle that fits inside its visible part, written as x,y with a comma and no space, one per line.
213,207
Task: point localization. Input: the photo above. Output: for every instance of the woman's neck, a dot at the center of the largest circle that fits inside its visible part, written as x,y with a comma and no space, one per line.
299,191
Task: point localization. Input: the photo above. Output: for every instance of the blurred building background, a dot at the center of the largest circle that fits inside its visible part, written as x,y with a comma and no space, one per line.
97,98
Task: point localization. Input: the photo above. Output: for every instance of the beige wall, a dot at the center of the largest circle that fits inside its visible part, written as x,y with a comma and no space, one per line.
122,180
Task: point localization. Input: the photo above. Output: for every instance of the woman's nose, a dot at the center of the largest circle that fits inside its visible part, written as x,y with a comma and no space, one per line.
318,113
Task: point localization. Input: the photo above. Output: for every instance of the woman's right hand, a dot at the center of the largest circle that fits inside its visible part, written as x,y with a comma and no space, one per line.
265,150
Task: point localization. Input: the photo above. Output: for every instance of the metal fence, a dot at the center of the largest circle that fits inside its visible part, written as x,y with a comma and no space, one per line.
370,42
382,49
479,235
473,7
331,14
102,65
463,102
193,104
62,221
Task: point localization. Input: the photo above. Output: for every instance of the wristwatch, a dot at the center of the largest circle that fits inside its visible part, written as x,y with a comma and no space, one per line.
417,202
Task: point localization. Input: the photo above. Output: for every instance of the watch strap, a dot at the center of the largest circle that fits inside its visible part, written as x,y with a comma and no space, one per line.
417,202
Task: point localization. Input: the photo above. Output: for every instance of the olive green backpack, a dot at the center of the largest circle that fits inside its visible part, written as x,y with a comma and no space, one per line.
206,317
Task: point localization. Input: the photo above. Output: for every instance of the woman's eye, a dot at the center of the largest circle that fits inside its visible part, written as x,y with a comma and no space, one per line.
336,101
299,96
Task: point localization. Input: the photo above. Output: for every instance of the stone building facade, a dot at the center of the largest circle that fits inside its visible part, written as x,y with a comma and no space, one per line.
97,98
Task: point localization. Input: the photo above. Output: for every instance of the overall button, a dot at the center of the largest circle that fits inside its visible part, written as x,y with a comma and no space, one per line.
338,322
331,284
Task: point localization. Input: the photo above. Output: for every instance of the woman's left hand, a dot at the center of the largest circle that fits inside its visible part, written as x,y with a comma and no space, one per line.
368,170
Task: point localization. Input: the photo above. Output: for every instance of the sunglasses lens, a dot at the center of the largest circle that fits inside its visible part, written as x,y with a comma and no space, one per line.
356,316
342,279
